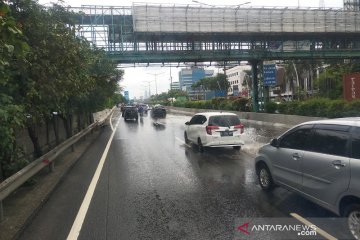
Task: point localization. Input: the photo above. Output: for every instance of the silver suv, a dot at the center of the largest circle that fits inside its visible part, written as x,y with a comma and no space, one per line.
321,161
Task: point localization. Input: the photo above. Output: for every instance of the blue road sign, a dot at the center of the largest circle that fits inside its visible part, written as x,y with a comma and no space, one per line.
126,95
269,74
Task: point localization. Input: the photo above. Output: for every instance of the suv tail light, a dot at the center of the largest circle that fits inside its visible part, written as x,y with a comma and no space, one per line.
240,126
210,128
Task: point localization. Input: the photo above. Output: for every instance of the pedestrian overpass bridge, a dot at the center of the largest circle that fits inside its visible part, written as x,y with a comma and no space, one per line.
154,33
160,33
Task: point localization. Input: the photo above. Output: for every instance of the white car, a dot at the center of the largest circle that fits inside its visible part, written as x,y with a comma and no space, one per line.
214,129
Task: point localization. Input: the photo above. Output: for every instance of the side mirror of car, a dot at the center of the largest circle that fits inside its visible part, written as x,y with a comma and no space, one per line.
187,123
274,142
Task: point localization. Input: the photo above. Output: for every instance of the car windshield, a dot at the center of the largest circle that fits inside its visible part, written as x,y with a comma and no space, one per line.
224,120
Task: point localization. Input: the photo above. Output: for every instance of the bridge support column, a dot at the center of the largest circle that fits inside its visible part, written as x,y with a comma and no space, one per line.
255,93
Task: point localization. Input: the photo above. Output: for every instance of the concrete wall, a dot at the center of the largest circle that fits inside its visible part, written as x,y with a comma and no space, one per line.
46,132
276,120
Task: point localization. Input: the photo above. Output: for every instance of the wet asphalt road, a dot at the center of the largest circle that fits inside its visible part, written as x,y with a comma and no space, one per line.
153,186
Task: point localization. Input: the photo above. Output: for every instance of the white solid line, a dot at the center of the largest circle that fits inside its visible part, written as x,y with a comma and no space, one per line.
80,217
112,128
318,230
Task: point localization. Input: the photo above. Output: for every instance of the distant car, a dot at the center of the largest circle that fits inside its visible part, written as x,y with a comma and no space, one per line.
319,160
145,107
214,129
158,111
130,113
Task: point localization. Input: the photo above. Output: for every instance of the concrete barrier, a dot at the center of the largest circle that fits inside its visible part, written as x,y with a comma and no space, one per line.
265,119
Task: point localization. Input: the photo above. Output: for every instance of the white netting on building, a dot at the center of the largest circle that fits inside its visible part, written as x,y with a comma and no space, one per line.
195,19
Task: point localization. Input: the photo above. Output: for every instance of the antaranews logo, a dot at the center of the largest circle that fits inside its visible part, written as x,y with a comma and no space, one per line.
244,228
279,228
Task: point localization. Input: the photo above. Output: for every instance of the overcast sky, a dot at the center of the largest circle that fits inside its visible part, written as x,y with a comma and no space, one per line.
135,77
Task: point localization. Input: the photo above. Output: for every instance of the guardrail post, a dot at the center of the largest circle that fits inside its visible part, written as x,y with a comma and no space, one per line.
1,211
52,166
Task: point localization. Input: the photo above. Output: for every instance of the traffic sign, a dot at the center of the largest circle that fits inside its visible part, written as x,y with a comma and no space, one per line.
269,74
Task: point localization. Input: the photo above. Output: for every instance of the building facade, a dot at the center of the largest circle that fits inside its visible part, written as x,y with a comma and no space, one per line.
175,86
236,77
189,76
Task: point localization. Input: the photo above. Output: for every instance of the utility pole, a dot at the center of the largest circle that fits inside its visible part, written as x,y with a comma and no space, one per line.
148,82
155,74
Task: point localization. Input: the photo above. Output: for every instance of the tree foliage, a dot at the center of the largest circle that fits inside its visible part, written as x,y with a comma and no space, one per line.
330,81
46,68
219,82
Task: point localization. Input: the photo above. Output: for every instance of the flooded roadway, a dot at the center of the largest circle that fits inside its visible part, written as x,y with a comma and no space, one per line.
153,186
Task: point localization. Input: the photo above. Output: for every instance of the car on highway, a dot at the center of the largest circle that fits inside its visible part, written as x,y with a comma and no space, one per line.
158,111
130,113
320,160
145,107
214,129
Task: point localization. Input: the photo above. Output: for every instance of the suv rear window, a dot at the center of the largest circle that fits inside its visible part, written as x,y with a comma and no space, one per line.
224,120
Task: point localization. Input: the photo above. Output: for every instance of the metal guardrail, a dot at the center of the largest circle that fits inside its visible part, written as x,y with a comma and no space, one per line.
16,180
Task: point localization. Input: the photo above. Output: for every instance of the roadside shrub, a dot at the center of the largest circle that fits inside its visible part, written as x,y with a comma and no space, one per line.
179,104
270,107
225,105
352,109
282,107
335,109
289,107
316,107
241,104
205,104
216,102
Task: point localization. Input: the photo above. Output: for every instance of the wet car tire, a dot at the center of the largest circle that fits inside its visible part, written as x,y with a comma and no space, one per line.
200,146
186,138
265,178
352,213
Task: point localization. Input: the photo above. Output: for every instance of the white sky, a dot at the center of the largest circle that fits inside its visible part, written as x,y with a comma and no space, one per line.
135,77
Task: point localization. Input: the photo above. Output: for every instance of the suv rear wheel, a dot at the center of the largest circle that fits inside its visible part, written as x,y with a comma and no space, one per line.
265,179
186,138
352,212
200,146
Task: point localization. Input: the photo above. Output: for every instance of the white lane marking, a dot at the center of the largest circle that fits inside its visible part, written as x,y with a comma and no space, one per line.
183,142
112,128
80,217
318,230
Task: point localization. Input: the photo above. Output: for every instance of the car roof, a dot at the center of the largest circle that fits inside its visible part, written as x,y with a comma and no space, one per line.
210,114
349,121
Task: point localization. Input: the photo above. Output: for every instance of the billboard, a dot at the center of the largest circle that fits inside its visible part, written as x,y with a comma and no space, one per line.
351,86
126,95
269,71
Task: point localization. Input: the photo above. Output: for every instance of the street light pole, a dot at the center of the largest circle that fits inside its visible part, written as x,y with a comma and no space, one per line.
148,82
155,74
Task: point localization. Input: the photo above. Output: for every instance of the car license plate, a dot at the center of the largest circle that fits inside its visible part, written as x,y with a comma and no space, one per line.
226,134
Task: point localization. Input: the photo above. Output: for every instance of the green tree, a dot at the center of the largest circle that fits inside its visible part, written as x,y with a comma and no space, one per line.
219,82
175,93
46,68
13,50
329,83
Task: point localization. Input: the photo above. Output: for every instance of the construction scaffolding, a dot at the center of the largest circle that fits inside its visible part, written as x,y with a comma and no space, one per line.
203,19
106,26
158,33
